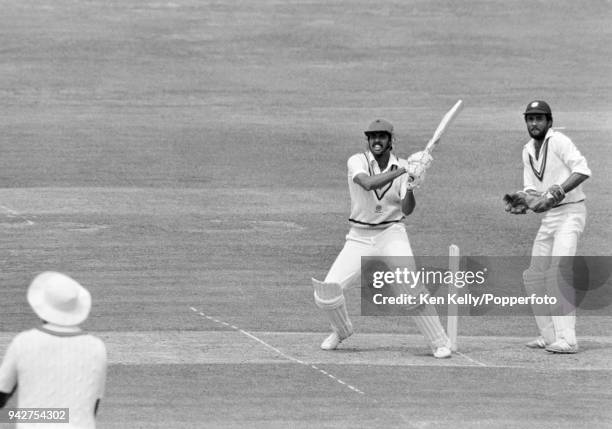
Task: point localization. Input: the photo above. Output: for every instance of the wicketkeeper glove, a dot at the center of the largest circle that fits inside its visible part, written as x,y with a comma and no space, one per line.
556,193
541,204
538,202
547,200
516,203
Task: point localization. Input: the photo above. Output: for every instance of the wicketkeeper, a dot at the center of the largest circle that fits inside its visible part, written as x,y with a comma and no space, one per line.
553,172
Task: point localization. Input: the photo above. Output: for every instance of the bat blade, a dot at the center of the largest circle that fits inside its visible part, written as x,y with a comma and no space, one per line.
443,125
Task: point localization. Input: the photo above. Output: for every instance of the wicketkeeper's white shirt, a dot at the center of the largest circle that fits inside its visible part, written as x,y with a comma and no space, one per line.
55,367
377,208
557,160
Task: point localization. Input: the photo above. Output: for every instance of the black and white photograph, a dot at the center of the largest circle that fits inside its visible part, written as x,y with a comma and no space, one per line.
305,214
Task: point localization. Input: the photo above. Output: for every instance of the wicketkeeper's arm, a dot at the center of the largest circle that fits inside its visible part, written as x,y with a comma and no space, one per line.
574,180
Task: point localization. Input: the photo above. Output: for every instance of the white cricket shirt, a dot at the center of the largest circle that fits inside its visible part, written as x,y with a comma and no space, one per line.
558,159
56,367
378,208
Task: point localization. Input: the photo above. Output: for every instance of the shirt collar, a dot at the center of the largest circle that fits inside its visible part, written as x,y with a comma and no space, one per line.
372,161
60,329
531,143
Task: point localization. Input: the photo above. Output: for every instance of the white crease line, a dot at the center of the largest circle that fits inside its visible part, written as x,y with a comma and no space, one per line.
13,213
477,362
279,352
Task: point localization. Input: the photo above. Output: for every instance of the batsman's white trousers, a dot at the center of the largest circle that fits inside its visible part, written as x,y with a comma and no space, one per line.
391,241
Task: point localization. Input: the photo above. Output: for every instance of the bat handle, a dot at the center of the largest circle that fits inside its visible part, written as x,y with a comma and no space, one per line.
429,146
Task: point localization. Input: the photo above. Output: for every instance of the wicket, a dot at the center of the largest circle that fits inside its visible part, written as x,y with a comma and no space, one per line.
453,308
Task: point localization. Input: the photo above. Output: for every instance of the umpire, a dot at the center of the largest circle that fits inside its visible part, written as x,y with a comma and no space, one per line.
56,365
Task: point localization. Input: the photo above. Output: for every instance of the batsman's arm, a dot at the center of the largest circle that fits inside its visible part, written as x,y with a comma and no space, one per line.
377,181
408,203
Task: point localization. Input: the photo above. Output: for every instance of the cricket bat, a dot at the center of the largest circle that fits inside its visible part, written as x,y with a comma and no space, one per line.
443,125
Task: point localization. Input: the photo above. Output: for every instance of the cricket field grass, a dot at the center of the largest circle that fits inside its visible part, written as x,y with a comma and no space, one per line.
186,162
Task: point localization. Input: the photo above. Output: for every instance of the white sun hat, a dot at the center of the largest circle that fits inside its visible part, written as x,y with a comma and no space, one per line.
58,299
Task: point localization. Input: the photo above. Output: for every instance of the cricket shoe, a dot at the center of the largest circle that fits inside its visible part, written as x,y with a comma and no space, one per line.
442,352
538,343
332,342
562,347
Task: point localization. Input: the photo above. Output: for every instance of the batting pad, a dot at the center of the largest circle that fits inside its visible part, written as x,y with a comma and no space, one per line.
330,298
428,322
535,282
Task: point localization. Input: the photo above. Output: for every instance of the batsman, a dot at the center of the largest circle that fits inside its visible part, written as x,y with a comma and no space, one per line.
553,170
382,188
